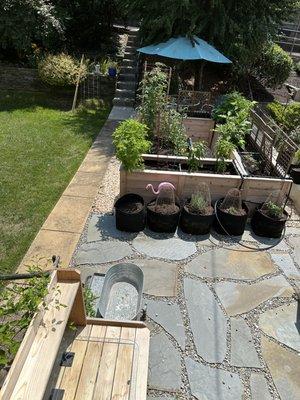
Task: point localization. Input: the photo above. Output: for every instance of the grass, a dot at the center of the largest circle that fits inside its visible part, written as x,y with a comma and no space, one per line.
41,147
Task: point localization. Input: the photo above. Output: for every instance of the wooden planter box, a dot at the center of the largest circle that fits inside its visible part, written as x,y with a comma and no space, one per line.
254,189
201,129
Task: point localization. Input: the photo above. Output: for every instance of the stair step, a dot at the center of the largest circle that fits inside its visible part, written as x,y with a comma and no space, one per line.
129,56
127,77
127,62
125,93
126,85
119,101
128,69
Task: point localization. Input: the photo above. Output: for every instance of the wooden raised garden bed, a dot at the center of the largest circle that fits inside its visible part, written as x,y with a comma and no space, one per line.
166,168
201,129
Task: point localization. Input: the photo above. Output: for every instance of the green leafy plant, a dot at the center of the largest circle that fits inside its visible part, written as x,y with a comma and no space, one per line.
272,210
19,303
172,131
230,105
61,70
89,301
273,66
153,97
224,149
233,211
287,117
297,67
130,140
195,154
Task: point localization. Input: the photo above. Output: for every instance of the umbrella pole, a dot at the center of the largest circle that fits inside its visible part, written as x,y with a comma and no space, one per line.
198,75
201,75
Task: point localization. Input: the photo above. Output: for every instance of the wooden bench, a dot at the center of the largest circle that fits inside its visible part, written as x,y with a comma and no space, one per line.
110,358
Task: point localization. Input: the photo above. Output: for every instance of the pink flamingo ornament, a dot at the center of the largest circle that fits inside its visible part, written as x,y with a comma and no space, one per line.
161,187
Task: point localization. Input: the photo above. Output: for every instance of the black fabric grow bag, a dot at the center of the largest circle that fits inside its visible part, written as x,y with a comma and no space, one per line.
158,222
295,175
195,224
130,221
263,225
234,225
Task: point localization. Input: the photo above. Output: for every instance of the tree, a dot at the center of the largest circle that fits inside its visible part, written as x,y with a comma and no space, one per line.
24,23
238,28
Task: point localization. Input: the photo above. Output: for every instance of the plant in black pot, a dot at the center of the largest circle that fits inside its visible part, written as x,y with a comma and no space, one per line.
295,169
163,212
130,213
269,218
231,214
197,214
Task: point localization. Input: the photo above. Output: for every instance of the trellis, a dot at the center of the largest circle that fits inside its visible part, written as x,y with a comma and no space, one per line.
276,148
90,87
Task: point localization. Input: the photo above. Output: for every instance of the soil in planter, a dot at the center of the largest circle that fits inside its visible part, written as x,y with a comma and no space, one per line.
164,209
132,208
211,169
198,114
235,212
161,165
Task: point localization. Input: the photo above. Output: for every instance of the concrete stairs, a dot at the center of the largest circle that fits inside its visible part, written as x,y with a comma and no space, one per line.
127,78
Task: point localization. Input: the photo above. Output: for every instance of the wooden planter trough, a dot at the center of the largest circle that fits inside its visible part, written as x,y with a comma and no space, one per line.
254,189
201,129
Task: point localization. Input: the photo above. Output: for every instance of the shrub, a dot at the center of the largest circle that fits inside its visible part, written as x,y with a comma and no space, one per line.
130,140
274,66
60,70
232,104
286,116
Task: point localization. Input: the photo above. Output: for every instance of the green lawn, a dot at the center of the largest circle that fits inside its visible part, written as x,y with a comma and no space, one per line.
41,147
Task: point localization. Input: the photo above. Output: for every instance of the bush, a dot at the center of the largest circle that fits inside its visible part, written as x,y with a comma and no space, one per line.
287,117
130,140
232,104
274,66
60,70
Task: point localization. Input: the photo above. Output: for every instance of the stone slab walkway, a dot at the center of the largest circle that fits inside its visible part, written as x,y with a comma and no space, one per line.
224,319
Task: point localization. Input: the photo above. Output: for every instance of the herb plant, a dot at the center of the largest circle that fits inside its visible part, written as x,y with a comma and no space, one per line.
89,301
172,131
224,149
198,203
130,140
231,105
272,210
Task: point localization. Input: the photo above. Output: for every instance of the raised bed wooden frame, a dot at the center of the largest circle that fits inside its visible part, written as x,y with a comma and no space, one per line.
254,189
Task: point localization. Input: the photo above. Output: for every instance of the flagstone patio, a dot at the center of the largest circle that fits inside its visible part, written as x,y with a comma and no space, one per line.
224,319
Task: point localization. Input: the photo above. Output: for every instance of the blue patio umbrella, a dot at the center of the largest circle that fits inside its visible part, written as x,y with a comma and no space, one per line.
187,49
184,48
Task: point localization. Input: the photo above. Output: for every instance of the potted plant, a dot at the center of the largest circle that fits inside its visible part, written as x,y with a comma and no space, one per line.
269,219
231,214
163,212
112,68
197,214
295,168
130,213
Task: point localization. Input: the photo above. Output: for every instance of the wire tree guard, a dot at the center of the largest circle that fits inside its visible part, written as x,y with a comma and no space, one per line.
232,202
165,196
201,199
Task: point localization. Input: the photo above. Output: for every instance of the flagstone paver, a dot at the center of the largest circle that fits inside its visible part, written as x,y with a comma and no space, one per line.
102,252
283,324
259,387
234,263
170,248
238,298
243,352
284,366
164,364
295,243
211,383
103,227
169,317
286,264
208,323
